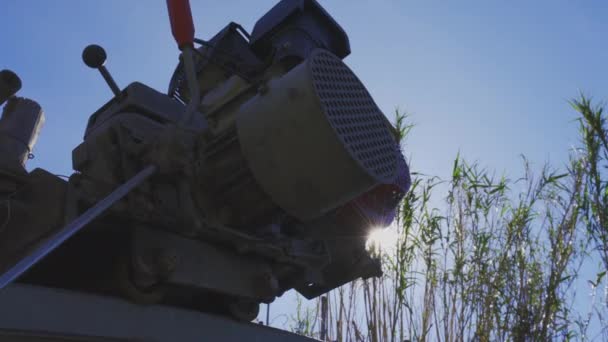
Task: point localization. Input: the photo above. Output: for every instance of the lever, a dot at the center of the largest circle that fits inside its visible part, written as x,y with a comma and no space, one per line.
182,27
94,56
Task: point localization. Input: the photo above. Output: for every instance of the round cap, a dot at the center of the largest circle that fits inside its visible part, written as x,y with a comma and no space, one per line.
94,56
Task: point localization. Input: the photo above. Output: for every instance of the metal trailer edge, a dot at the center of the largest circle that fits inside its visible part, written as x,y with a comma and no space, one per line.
33,313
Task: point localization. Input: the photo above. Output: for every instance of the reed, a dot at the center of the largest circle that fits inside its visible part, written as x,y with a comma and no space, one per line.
481,257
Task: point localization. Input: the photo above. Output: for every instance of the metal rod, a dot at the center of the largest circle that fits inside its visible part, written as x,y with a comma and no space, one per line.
195,96
109,80
268,314
81,221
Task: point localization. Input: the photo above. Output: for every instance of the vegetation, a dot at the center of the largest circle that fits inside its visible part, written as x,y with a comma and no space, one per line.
496,259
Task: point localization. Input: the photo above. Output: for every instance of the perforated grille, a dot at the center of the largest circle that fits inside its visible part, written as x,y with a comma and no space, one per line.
354,115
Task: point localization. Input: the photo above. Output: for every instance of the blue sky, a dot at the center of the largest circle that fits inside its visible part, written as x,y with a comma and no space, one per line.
490,79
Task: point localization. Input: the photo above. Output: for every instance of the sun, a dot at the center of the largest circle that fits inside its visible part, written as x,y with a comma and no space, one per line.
381,240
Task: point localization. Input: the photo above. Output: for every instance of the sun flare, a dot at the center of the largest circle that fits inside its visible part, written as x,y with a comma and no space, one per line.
381,240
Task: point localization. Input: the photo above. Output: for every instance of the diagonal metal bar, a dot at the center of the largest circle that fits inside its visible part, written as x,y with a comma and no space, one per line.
80,222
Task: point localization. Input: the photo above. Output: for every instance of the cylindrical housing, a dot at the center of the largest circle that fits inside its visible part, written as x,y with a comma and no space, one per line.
21,122
314,138
10,84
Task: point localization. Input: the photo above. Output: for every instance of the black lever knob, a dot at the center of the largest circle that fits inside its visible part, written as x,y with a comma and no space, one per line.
94,56
10,84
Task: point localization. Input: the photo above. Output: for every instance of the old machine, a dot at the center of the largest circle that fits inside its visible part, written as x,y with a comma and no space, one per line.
261,169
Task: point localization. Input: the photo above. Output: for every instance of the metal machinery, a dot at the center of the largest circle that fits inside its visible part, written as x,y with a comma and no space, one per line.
261,170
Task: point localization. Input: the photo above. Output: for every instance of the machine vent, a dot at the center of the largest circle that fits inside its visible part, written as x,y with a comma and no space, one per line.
354,115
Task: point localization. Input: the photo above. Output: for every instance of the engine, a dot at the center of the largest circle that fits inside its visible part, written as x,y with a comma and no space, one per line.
271,163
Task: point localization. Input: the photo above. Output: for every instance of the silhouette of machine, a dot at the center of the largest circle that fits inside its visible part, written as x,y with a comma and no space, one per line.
262,169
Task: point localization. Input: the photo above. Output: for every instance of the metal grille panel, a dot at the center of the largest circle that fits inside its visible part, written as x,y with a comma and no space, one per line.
354,115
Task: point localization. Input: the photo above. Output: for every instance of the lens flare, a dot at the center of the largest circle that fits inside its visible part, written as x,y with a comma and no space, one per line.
381,240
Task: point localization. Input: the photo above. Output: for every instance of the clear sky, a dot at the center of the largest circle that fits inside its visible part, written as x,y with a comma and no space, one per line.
488,78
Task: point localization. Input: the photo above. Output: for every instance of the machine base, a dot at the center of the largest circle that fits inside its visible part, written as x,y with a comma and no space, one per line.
32,313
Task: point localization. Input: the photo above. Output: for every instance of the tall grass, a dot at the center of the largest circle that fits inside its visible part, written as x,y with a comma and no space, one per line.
499,259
